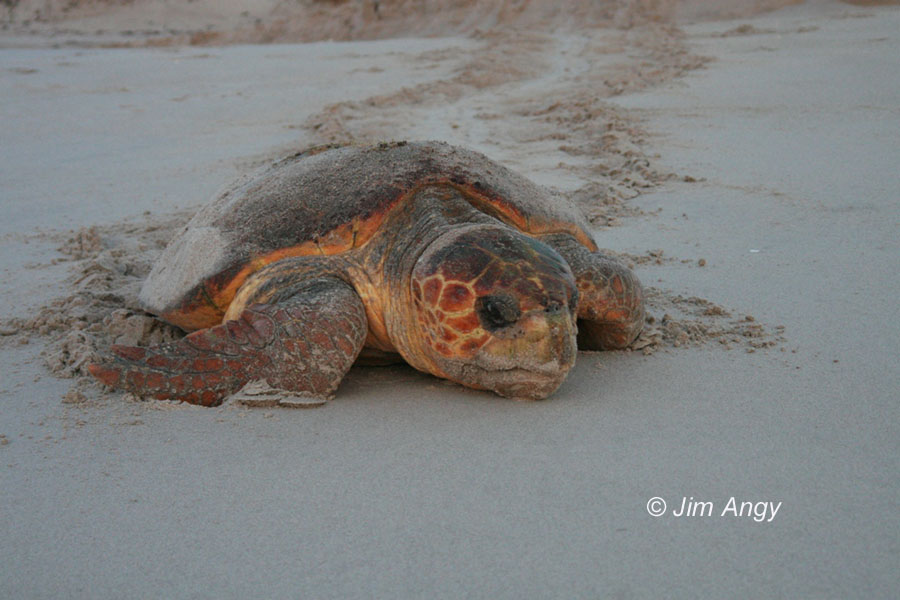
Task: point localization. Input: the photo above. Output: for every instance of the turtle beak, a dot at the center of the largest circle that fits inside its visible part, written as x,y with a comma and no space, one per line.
532,364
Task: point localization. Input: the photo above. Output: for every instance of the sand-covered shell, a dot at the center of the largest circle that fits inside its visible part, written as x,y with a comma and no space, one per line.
327,201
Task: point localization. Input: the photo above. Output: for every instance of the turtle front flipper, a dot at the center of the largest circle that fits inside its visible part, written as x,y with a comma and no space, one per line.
610,297
302,343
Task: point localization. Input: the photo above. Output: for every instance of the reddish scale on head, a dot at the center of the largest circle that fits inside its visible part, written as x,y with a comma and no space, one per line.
550,284
443,348
464,324
456,297
432,289
468,347
488,278
554,294
526,287
447,335
465,263
509,276
529,293
417,291
471,345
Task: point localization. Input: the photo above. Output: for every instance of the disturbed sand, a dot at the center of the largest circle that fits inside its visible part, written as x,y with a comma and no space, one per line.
160,23
697,149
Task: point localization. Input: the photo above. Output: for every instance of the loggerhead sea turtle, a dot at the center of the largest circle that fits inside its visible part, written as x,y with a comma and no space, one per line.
418,250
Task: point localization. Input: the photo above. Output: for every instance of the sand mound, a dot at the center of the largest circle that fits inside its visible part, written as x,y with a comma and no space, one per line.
100,308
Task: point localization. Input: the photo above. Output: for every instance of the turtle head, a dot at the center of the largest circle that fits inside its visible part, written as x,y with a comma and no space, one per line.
495,309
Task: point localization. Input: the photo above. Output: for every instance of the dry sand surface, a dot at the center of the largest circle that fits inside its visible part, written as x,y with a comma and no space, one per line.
740,155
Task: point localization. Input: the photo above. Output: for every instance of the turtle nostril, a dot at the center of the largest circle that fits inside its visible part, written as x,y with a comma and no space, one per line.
497,311
553,307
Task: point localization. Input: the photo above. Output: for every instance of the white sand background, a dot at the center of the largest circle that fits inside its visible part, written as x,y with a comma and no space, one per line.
408,487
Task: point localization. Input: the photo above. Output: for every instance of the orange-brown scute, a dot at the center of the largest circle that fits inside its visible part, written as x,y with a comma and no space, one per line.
464,324
448,318
432,287
456,297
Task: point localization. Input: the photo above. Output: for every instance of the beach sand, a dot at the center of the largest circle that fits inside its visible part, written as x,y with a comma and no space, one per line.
743,160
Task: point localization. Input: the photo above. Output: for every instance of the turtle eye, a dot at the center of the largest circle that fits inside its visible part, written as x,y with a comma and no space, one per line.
497,311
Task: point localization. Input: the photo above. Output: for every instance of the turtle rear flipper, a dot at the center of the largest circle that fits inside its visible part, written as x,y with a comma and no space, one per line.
302,344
